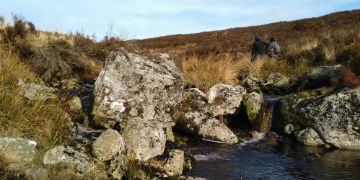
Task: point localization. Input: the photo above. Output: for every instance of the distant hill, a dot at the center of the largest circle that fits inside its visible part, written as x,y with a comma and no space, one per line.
310,38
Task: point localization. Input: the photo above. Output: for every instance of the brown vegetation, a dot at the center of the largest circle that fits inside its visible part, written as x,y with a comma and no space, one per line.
306,38
44,122
306,43
55,56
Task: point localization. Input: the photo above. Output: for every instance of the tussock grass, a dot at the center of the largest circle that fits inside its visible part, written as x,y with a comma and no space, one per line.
206,72
43,122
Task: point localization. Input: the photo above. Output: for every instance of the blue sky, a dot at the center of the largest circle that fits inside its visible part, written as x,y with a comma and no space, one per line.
139,19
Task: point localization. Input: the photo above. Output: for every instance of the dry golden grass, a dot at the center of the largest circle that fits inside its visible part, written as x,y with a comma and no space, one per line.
206,72
44,122
40,39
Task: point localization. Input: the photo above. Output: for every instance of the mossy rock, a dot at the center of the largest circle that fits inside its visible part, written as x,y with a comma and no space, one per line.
286,110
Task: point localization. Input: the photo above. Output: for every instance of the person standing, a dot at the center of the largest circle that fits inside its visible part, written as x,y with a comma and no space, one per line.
274,49
258,49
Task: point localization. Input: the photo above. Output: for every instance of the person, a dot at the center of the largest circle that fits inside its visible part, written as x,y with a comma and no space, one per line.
258,49
274,49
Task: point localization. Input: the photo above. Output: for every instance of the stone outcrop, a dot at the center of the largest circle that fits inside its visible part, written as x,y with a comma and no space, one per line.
108,144
132,85
62,154
320,77
19,150
145,138
225,99
334,117
194,117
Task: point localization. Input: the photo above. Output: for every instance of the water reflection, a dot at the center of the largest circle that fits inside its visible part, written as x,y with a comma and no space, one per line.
283,161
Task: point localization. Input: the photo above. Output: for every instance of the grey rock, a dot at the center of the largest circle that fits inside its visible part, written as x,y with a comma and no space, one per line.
61,154
145,138
213,129
309,136
75,104
108,144
118,167
132,85
279,84
194,117
252,83
17,149
336,118
39,173
225,99
34,91
175,163
320,77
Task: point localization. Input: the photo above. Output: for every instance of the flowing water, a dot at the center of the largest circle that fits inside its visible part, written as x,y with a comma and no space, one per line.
284,161
271,157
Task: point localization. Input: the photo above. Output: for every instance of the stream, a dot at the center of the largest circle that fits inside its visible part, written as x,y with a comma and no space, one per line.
284,161
272,157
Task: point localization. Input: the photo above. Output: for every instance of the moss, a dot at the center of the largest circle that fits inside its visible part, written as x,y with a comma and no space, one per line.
185,139
251,114
239,140
255,88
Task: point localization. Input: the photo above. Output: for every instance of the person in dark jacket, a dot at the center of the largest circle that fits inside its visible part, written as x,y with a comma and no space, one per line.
258,49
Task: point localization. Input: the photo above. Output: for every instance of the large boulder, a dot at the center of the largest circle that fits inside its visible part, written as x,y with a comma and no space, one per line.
194,117
108,144
132,85
225,99
17,150
145,138
320,77
62,154
334,117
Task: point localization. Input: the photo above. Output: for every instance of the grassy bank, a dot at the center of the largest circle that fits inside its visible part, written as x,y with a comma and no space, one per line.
43,122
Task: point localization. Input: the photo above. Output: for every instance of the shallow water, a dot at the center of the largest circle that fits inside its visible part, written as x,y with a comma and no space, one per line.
284,161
